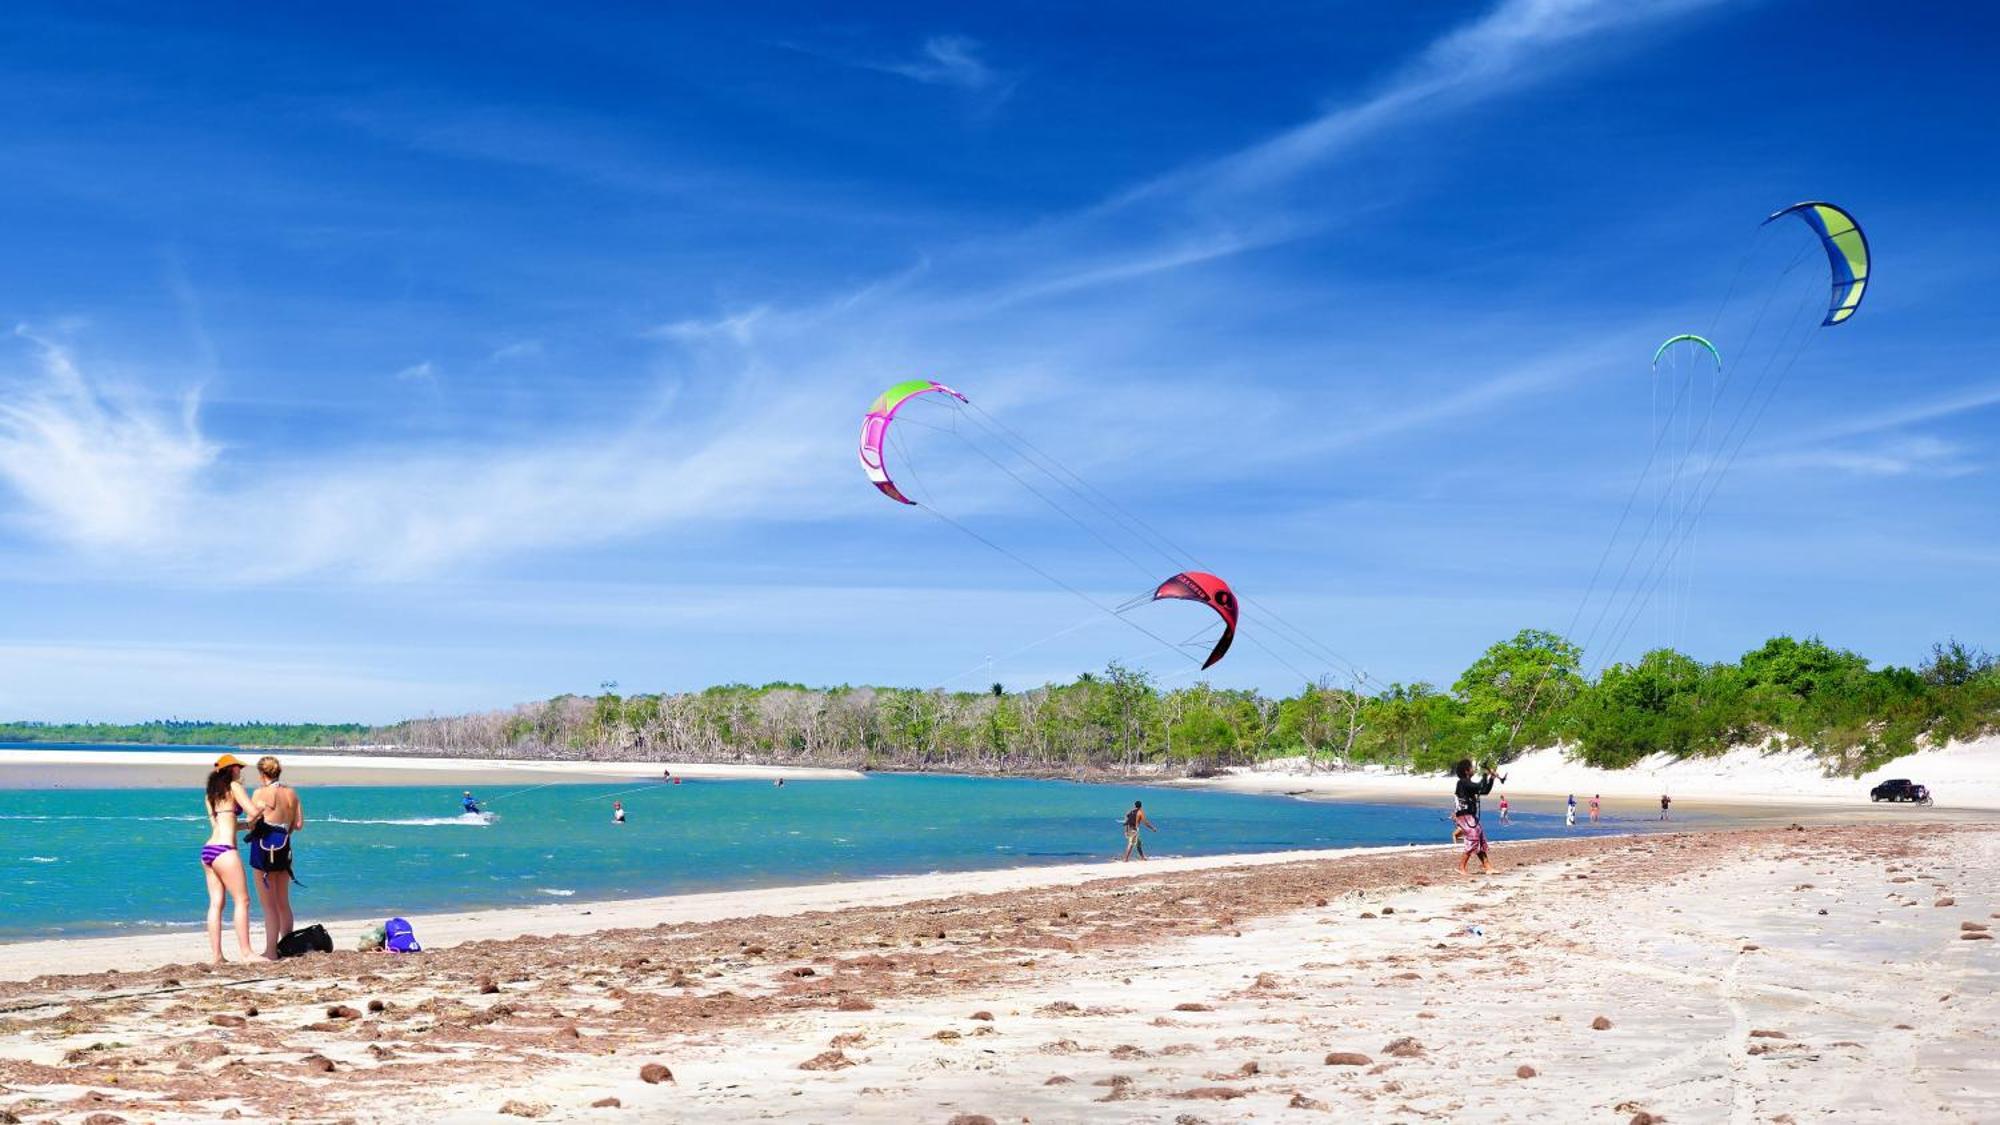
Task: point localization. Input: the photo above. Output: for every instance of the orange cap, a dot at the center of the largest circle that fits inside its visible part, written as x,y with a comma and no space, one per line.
227,760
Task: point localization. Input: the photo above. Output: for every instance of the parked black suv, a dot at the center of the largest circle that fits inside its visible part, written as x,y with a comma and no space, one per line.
1900,789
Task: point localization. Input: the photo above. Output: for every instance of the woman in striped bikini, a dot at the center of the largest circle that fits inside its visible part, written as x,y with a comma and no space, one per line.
220,863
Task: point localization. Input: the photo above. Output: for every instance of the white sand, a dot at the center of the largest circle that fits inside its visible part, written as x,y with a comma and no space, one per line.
1781,985
80,769
1964,775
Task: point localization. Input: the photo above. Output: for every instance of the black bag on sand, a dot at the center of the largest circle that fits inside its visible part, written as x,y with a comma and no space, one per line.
298,943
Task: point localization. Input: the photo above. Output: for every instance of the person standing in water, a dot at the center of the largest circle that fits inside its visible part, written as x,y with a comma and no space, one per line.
1466,796
1569,812
221,866
617,812
280,814
1593,808
1135,819
1504,818
1666,803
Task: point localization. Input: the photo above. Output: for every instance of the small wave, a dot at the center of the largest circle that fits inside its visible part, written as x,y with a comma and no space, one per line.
43,859
463,820
43,816
557,891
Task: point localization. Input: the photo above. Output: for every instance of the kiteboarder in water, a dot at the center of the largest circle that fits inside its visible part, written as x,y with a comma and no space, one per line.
470,803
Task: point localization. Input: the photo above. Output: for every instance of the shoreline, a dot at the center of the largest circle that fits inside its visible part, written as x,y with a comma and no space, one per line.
1684,975
21,960
74,768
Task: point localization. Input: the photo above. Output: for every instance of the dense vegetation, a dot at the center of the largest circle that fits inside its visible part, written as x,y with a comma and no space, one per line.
1522,693
1526,692
180,732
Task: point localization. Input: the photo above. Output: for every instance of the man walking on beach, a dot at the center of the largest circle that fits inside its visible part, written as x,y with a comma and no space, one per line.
1135,820
1666,803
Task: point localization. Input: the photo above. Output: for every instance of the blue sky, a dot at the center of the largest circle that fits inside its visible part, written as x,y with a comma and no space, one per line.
386,362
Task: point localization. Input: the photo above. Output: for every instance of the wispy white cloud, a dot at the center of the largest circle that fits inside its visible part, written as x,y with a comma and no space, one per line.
948,60
951,61
105,473
519,349
424,372
1516,42
95,465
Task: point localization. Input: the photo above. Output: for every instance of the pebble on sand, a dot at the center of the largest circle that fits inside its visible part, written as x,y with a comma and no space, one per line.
378,1006
1348,1058
1211,1094
1975,937
607,1103
972,1119
485,986
1945,902
1524,1072
983,1016
827,1060
1973,927
853,1003
652,1074
1060,1080
1300,1101
524,1109
1600,1024
1404,1048
317,1063
1193,1006
1761,1033
342,1012
227,1021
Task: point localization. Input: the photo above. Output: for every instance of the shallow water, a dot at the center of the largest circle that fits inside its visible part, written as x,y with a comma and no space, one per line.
82,862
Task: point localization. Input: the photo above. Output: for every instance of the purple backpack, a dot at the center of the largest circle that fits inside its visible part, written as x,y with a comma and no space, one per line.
399,937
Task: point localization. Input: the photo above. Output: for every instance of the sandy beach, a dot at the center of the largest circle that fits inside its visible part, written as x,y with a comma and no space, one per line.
67,768
1963,775
1742,975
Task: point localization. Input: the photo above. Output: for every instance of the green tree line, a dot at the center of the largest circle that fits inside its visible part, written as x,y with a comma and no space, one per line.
1526,692
181,732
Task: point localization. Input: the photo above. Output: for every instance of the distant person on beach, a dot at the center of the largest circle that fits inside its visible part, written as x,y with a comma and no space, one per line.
221,866
470,803
1569,812
1666,803
1504,818
1465,813
617,812
1135,819
270,839
1593,808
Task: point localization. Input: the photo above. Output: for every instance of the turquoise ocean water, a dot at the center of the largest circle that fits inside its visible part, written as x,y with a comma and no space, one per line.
87,862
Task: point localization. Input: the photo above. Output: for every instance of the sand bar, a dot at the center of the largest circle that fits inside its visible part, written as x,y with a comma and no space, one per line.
65,768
